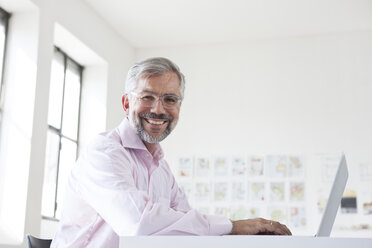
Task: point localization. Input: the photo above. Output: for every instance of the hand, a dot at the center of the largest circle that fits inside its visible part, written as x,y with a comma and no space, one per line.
259,226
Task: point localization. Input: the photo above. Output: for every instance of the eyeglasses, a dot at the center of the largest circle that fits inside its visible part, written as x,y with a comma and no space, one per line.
148,99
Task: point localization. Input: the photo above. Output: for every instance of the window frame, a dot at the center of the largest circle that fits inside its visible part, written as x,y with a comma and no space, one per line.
58,131
4,20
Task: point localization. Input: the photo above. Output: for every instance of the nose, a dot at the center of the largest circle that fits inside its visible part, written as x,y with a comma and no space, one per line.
158,107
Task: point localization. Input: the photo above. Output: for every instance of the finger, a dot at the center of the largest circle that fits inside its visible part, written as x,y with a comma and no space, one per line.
284,228
287,230
275,228
281,229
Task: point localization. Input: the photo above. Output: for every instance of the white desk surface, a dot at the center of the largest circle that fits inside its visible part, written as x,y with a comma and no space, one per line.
230,241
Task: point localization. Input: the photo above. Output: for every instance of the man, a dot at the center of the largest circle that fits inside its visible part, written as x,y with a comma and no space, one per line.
121,184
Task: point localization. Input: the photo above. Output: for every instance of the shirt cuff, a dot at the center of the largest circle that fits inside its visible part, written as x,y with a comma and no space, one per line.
219,225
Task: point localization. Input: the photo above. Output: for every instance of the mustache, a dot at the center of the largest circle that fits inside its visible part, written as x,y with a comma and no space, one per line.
155,116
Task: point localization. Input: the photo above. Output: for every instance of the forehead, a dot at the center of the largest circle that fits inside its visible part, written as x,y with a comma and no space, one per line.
167,83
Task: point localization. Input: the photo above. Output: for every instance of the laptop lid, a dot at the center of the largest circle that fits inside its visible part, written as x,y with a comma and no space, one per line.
334,199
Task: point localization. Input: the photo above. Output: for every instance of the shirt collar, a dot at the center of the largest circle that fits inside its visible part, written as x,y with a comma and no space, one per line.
130,139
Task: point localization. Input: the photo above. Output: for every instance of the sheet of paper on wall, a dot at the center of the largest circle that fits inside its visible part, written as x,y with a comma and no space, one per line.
202,168
202,192
204,209
238,191
224,211
297,191
257,192
366,200
255,166
220,191
185,167
221,166
239,166
277,166
322,194
277,192
239,212
296,166
187,188
278,213
367,208
297,217
254,212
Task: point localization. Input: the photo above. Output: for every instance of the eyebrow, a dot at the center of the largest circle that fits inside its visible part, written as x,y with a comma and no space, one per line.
152,92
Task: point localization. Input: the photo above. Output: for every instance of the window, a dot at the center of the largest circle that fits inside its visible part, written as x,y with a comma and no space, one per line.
4,17
63,130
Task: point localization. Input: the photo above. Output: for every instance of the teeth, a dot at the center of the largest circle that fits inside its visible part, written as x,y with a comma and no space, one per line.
155,122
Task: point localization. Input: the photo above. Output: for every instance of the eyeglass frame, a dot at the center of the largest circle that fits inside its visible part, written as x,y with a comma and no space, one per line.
157,98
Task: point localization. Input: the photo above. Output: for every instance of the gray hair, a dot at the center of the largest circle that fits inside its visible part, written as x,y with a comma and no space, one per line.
152,67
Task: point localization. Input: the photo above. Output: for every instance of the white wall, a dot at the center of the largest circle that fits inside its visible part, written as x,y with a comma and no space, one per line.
304,94
17,123
299,95
105,76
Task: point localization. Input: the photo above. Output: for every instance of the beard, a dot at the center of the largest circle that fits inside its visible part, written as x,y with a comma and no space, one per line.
144,135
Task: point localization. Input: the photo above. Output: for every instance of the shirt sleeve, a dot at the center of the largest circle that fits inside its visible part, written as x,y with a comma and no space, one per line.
104,179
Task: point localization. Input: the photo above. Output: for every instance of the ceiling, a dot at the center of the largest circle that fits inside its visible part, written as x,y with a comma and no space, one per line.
154,23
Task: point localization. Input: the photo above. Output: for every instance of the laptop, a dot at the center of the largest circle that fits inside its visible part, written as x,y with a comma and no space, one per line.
334,199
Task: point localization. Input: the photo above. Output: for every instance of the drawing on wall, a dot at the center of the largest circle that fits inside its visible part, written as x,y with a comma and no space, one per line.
367,208
255,166
238,166
203,209
238,191
187,188
366,200
201,167
349,202
278,213
221,167
257,191
220,191
185,167
277,191
254,212
296,166
223,211
297,191
239,212
276,166
202,191
297,217
322,199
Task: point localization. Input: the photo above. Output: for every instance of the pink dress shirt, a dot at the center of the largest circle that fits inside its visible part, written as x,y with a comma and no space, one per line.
117,188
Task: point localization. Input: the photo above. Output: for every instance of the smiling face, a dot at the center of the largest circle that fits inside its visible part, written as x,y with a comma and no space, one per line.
153,123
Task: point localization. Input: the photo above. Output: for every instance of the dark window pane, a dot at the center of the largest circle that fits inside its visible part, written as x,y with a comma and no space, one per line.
2,46
71,101
50,174
3,31
66,162
56,91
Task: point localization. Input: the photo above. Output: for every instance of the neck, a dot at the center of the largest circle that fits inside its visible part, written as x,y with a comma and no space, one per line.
150,147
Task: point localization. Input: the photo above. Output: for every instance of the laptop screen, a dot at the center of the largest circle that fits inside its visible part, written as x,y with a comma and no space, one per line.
334,199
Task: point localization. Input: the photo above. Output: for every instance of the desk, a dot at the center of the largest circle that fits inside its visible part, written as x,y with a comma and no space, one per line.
231,241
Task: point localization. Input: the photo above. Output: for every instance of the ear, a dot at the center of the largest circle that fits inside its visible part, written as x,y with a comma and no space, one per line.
125,103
